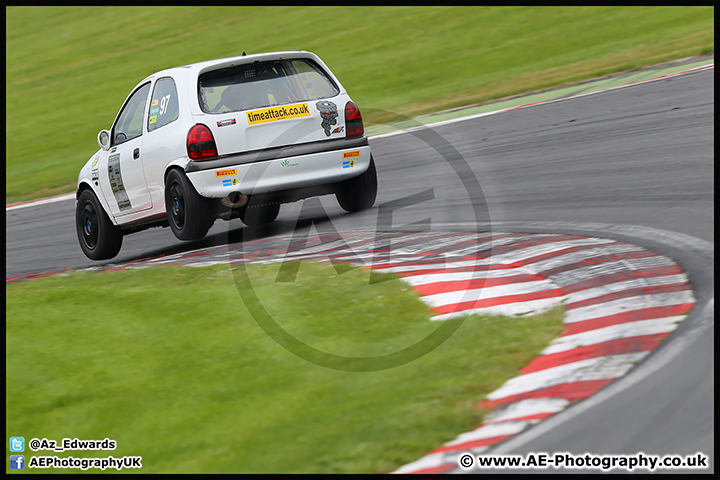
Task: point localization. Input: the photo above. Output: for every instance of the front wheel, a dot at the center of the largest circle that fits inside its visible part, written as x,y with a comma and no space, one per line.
358,193
188,213
99,238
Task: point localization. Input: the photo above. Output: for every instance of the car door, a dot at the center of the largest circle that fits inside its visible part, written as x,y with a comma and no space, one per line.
165,137
124,185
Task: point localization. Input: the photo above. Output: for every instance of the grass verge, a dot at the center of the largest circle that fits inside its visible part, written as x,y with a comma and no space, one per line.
168,362
64,86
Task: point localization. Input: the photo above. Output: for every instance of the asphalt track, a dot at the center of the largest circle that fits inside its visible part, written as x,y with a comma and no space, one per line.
641,157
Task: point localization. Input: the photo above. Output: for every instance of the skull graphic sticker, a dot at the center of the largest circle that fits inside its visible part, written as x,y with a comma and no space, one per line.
328,112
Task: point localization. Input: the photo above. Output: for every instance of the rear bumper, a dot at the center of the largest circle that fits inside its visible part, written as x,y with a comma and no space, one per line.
311,165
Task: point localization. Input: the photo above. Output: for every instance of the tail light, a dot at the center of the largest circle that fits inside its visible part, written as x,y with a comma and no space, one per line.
353,121
201,143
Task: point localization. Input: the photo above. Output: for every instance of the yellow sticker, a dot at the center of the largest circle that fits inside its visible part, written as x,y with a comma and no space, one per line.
225,173
153,119
95,161
278,113
354,153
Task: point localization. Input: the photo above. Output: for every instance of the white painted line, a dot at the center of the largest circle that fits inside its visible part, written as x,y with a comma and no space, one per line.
574,257
425,279
545,248
624,285
209,263
592,272
346,243
487,293
509,309
398,254
614,332
526,408
449,265
35,203
428,461
524,254
489,431
624,305
611,366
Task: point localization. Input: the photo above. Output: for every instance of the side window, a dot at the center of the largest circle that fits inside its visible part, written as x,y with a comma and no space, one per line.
164,106
129,122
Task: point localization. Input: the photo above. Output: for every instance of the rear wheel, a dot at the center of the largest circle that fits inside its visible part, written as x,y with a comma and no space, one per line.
99,238
254,216
189,214
358,193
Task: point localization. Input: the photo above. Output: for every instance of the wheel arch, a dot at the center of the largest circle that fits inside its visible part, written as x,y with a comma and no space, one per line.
86,185
178,165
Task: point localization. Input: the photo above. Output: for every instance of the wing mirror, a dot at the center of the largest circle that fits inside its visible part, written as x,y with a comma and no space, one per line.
103,139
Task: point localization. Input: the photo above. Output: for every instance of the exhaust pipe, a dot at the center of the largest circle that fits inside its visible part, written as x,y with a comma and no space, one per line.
235,200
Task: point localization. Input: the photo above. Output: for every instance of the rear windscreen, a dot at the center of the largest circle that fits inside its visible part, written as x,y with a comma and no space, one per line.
263,84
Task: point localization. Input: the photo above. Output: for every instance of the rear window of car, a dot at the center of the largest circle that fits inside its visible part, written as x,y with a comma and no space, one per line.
263,84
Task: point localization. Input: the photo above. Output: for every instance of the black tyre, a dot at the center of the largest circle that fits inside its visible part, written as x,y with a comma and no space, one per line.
99,238
256,215
189,214
358,193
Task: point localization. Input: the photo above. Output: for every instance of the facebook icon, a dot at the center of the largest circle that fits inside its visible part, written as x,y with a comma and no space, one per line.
17,462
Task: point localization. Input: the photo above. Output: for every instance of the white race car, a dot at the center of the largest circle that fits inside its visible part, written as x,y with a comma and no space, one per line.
227,138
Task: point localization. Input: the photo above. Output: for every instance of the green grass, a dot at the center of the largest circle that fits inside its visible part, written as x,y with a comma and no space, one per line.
68,69
168,362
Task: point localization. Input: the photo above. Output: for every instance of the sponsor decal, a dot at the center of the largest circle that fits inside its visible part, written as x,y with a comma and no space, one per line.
228,182
338,130
154,111
226,173
353,154
225,123
328,113
116,183
286,163
278,113
153,119
349,164
113,150
95,161
154,102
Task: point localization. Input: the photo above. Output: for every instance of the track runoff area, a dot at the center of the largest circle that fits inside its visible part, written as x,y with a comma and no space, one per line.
621,302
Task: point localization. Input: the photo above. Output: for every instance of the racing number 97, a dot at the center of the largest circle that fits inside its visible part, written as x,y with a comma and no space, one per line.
164,102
